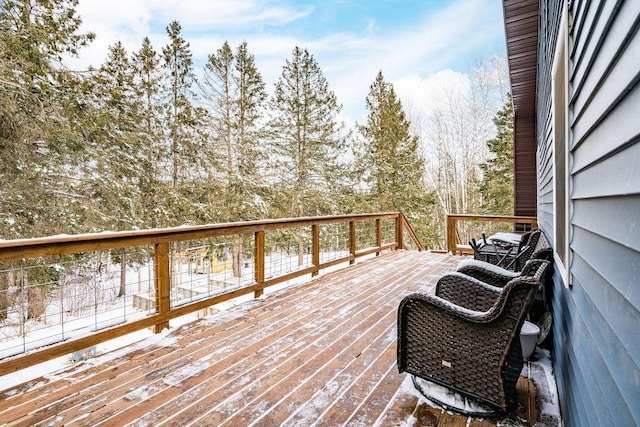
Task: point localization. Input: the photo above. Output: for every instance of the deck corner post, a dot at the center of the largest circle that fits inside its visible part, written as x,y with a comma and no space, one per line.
451,225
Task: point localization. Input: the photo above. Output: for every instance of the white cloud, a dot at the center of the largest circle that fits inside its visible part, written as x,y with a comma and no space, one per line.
199,15
351,62
425,94
121,16
205,24
418,55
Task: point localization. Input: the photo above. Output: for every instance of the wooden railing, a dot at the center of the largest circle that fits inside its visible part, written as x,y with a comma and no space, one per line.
457,243
161,246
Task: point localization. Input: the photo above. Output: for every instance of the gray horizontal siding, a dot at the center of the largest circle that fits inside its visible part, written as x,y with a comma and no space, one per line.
616,219
594,352
612,288
589,53
581,367
596,321
621,77
547,36
615,175
622,122
572,386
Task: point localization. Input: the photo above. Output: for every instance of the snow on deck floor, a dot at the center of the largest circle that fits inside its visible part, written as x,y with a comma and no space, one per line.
320,353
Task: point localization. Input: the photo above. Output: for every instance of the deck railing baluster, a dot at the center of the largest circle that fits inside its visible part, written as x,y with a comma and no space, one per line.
352,241
315,248
259,261
162,284
378,235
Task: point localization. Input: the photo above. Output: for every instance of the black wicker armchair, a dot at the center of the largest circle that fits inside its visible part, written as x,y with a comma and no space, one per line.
466,337
498,276
510,257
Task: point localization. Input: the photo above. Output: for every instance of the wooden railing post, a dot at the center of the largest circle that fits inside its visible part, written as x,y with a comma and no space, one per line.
162,283
399,232
451,234
258,262
352,241
378,234
315,248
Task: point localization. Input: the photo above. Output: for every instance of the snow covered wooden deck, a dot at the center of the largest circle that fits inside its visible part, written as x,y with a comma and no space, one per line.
323,352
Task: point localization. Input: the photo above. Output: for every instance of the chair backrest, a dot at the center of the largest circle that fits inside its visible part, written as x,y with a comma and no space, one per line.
536,267
524,240
526,248
518,293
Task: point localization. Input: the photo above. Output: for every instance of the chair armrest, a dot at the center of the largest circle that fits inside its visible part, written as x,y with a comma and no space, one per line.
486,272
428,302
536,268
466,291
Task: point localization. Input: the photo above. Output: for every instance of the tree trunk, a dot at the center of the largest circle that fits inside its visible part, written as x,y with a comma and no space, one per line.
300,252
36,302
237,258
4,296
123,275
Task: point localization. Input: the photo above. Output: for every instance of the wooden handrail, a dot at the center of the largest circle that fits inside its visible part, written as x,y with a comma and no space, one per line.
453,245
160,240
58,245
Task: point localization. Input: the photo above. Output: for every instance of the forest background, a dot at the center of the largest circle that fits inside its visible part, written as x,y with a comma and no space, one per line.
145,140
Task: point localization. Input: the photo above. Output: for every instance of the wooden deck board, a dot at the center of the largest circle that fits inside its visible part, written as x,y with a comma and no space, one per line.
323,352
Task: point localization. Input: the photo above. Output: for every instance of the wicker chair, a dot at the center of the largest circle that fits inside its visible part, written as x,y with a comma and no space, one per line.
466,337
515,257
498,276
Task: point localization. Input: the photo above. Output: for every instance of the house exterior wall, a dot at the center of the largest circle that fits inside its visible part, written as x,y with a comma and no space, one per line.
596,329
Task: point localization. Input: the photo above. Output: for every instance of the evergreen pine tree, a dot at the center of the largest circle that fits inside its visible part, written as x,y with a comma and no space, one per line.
189,201
497,181
113,174
249,110
178,104
38,148
305,135
146,63
235,92
219,93
390,153
37,141
389,159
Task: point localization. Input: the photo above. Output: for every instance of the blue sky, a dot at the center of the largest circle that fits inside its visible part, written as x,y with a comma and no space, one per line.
416,43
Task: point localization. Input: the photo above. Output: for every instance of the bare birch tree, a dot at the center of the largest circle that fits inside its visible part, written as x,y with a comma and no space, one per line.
454,135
